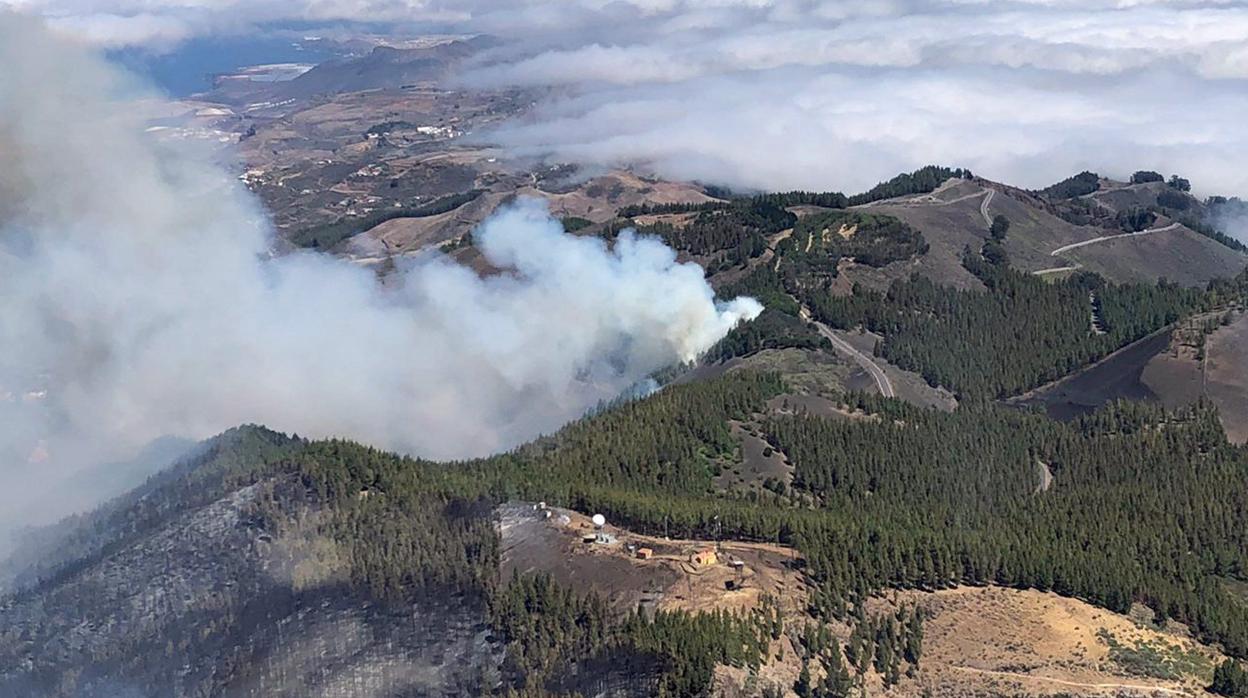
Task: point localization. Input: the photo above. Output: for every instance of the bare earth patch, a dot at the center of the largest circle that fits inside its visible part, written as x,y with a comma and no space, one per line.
1186,372
1226,377
668,579
991,640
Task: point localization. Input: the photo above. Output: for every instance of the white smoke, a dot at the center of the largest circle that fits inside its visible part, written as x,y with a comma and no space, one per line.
139,299
1230,217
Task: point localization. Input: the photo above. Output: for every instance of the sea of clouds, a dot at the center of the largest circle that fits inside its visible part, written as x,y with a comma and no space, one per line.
817,94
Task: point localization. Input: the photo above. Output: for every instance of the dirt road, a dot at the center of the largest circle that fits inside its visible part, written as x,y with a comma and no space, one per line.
1105,238
933,199
1057,270
1075,684
1046,477
881,379
983,208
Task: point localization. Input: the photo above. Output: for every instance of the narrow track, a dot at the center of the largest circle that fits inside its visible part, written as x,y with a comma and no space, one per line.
881,379
1075,684
1106,238
983,207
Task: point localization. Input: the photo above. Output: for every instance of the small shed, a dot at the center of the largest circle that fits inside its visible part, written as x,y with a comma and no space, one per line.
644,553
704,558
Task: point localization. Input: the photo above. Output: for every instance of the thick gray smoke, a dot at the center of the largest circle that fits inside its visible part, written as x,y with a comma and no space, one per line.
140,300
1231,217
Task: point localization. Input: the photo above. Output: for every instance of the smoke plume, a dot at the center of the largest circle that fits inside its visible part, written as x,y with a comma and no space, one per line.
1231,217
141,300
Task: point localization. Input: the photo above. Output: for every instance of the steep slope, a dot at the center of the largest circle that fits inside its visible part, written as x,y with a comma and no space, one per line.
274,566
959,214
217,578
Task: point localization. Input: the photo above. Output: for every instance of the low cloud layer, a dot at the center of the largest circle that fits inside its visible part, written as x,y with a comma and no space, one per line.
821,94
839,96
141,301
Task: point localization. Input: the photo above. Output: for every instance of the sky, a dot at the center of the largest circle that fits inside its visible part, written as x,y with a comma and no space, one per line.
815,94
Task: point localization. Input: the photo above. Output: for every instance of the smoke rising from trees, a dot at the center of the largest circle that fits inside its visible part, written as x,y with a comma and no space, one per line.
141,299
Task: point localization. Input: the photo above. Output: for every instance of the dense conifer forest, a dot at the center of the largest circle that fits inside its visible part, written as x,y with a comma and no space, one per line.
921,181
1145,506
820,241
1019,333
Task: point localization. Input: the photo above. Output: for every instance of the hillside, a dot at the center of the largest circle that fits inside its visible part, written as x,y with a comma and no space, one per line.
276,566
373,68
960,212
939,287
601,391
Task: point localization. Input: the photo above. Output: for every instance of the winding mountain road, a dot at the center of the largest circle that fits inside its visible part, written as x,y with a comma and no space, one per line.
983,208
1106,238
881,379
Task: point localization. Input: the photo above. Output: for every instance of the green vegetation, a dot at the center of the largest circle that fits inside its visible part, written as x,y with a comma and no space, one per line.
661,209
1177,182
1146,506
913,499
921,181
999,228
1230,679
1021,333
387,126
544,625
779,327
736,234
329,234
1079,185
1157,660
574,223
771,330
1176,200
1180,208
910,498
1219,208
818,242
1133,220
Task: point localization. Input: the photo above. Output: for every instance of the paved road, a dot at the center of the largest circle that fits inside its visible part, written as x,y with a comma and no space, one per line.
881,379
1104,238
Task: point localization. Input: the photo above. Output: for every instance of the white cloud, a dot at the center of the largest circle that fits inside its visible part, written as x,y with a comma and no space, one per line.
822,93
839,95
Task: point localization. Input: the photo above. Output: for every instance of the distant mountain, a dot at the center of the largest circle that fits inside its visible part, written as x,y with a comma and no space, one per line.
383,67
